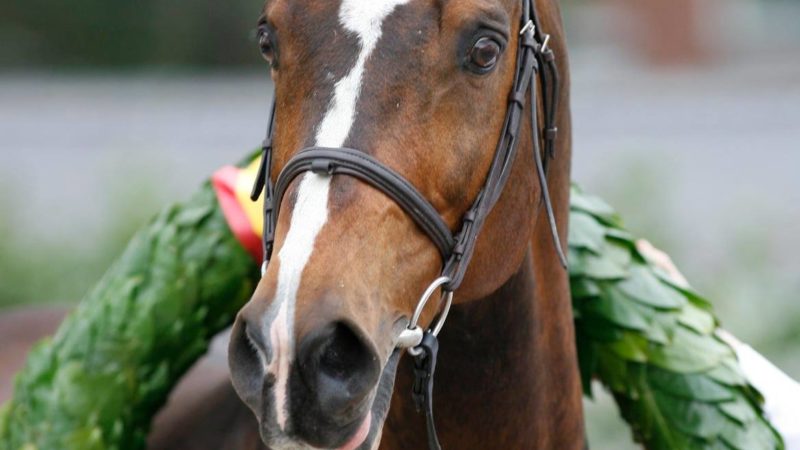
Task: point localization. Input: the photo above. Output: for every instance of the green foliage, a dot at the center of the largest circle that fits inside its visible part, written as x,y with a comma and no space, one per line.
652,343
97,383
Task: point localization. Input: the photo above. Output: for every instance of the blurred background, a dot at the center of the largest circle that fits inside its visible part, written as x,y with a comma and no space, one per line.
686,119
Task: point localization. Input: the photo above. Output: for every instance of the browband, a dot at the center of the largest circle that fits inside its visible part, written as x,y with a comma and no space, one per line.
348,161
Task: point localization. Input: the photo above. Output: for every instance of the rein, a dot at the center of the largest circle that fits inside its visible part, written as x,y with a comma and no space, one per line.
534,60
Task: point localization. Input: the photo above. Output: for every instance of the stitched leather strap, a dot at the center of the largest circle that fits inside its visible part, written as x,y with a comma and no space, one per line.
348,161
527,67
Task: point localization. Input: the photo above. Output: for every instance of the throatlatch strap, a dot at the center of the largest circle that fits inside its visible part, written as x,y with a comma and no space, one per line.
542,175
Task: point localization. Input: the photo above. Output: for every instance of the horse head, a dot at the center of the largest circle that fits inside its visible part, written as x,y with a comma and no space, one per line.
423,87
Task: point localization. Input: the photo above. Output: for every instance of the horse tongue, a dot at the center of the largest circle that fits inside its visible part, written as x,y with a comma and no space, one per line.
359,436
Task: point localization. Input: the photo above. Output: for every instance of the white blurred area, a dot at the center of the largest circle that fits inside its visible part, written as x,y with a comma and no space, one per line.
686,119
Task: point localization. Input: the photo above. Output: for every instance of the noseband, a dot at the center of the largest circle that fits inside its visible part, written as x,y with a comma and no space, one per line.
534,59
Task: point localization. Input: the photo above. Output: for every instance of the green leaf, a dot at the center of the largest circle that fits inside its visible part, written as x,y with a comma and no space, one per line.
617,309
689,352
583,287
738,410
613,371
643,286
697,319
632,347
621,236
697,419
586,233
727,372
699,387
687,292
584,263
617,252
597,328
652,324
755,436
593,205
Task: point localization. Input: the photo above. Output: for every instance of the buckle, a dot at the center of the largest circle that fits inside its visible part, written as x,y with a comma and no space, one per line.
544,44
529,26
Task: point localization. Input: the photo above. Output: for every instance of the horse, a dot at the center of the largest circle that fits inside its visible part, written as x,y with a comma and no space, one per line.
421,88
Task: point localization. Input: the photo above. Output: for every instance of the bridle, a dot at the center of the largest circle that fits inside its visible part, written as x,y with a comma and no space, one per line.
534,58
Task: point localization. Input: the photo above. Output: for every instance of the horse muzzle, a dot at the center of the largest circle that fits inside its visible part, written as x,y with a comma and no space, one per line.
320,395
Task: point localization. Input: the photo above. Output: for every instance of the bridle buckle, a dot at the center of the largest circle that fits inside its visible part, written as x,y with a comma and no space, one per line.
529,26
545,42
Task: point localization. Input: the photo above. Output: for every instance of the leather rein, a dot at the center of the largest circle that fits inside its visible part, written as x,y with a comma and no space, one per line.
535,59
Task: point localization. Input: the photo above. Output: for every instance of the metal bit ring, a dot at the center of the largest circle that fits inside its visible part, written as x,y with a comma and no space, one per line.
412,335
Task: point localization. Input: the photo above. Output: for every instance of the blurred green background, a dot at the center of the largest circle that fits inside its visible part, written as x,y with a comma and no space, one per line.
686,119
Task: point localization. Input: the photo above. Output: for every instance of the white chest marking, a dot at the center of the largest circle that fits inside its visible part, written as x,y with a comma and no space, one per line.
365,19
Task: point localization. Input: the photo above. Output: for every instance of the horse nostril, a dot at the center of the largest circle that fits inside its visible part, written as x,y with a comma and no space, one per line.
246,358
344,354
340,367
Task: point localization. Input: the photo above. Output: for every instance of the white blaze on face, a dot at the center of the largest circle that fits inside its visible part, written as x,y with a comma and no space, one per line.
364,18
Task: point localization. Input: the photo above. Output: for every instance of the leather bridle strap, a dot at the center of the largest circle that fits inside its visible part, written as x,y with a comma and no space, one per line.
348,161
527,67
263,183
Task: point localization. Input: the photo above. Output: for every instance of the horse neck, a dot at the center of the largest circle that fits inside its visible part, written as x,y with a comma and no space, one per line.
507,375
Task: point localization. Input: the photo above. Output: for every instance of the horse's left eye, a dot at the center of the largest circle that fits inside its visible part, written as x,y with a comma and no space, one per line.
266,44
484,54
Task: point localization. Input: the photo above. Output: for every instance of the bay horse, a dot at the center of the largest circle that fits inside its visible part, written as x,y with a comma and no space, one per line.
422,87
425,90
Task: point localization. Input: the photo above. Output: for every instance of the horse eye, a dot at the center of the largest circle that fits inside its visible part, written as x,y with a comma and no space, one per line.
266,45
484,54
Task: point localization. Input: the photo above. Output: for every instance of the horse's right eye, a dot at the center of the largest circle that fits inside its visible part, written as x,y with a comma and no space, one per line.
267,45
484,53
